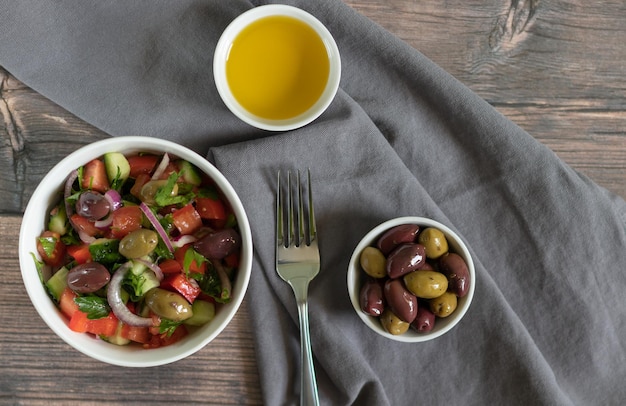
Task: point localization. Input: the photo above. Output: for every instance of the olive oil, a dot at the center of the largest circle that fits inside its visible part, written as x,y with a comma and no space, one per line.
277,67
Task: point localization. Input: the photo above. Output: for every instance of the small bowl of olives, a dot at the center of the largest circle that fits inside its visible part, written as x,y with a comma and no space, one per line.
136,251
411,279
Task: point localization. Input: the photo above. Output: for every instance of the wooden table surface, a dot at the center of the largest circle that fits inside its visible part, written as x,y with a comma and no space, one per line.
554,67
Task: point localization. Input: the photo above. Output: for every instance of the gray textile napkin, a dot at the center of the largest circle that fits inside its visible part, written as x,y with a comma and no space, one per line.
548,321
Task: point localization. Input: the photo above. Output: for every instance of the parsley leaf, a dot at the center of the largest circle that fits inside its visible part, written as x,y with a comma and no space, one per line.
117,181
39,266
168,326
96,307
48,243
166,195
192,255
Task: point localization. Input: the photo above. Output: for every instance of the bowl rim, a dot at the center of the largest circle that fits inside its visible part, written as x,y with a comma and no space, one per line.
33,222
355,274
222,50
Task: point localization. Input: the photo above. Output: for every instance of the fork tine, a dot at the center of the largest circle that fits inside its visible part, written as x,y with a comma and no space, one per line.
312,226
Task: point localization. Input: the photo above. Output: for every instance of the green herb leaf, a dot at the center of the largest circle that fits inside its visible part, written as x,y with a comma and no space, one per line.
168,326
96,307
165,195
48,244
117,181
39,266
192,255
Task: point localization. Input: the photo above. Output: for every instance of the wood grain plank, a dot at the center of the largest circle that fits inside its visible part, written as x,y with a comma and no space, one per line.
36,134
38,367
555,68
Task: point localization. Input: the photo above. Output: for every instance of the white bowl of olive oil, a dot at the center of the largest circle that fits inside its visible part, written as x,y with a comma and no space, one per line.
277,67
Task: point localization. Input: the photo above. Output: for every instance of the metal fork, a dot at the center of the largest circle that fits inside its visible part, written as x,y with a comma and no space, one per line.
297,263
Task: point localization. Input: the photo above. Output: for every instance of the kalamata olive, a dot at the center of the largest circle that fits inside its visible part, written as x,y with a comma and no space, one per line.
401,302
92,205
427,266
454,267
404,259
397,235
373,262
434,241
169,305
88,278
392,323
425,320
138,243
444,305
426,284
371,297
150,189
219,244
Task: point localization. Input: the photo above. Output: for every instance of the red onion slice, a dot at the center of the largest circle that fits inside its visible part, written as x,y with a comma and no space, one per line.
161,168
114,199
154,267
114,297
183,240
157,226
67,192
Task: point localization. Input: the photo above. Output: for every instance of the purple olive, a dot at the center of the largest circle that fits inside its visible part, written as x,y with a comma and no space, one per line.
425,320
371,297
453,266
401,302
219,244
397,235
404,259
88,278
92,205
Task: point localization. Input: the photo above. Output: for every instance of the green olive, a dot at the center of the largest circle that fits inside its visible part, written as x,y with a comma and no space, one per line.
426,284
169,305
392,323
150,189
373,262
138,243
444,305
434,241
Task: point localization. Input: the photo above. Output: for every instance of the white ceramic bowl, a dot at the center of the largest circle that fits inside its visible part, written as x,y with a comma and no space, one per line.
222,52
35,218
356,276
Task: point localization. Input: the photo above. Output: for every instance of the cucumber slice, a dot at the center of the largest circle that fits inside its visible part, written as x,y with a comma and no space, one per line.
117,167
189,173
105,250
57,283
202,313
58,220
117,338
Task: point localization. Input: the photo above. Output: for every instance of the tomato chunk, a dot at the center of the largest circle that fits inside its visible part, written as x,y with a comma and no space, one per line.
187,220
95,176
79,322
51,248
80,253
188,288
86,226
125,220
210,209
105,326
161,340
194,267
136,334
67,304
142,164
170,266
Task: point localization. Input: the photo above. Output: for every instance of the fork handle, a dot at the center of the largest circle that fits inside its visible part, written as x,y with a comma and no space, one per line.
308,383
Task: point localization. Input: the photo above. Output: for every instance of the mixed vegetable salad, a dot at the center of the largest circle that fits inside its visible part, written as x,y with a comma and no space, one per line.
139,249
